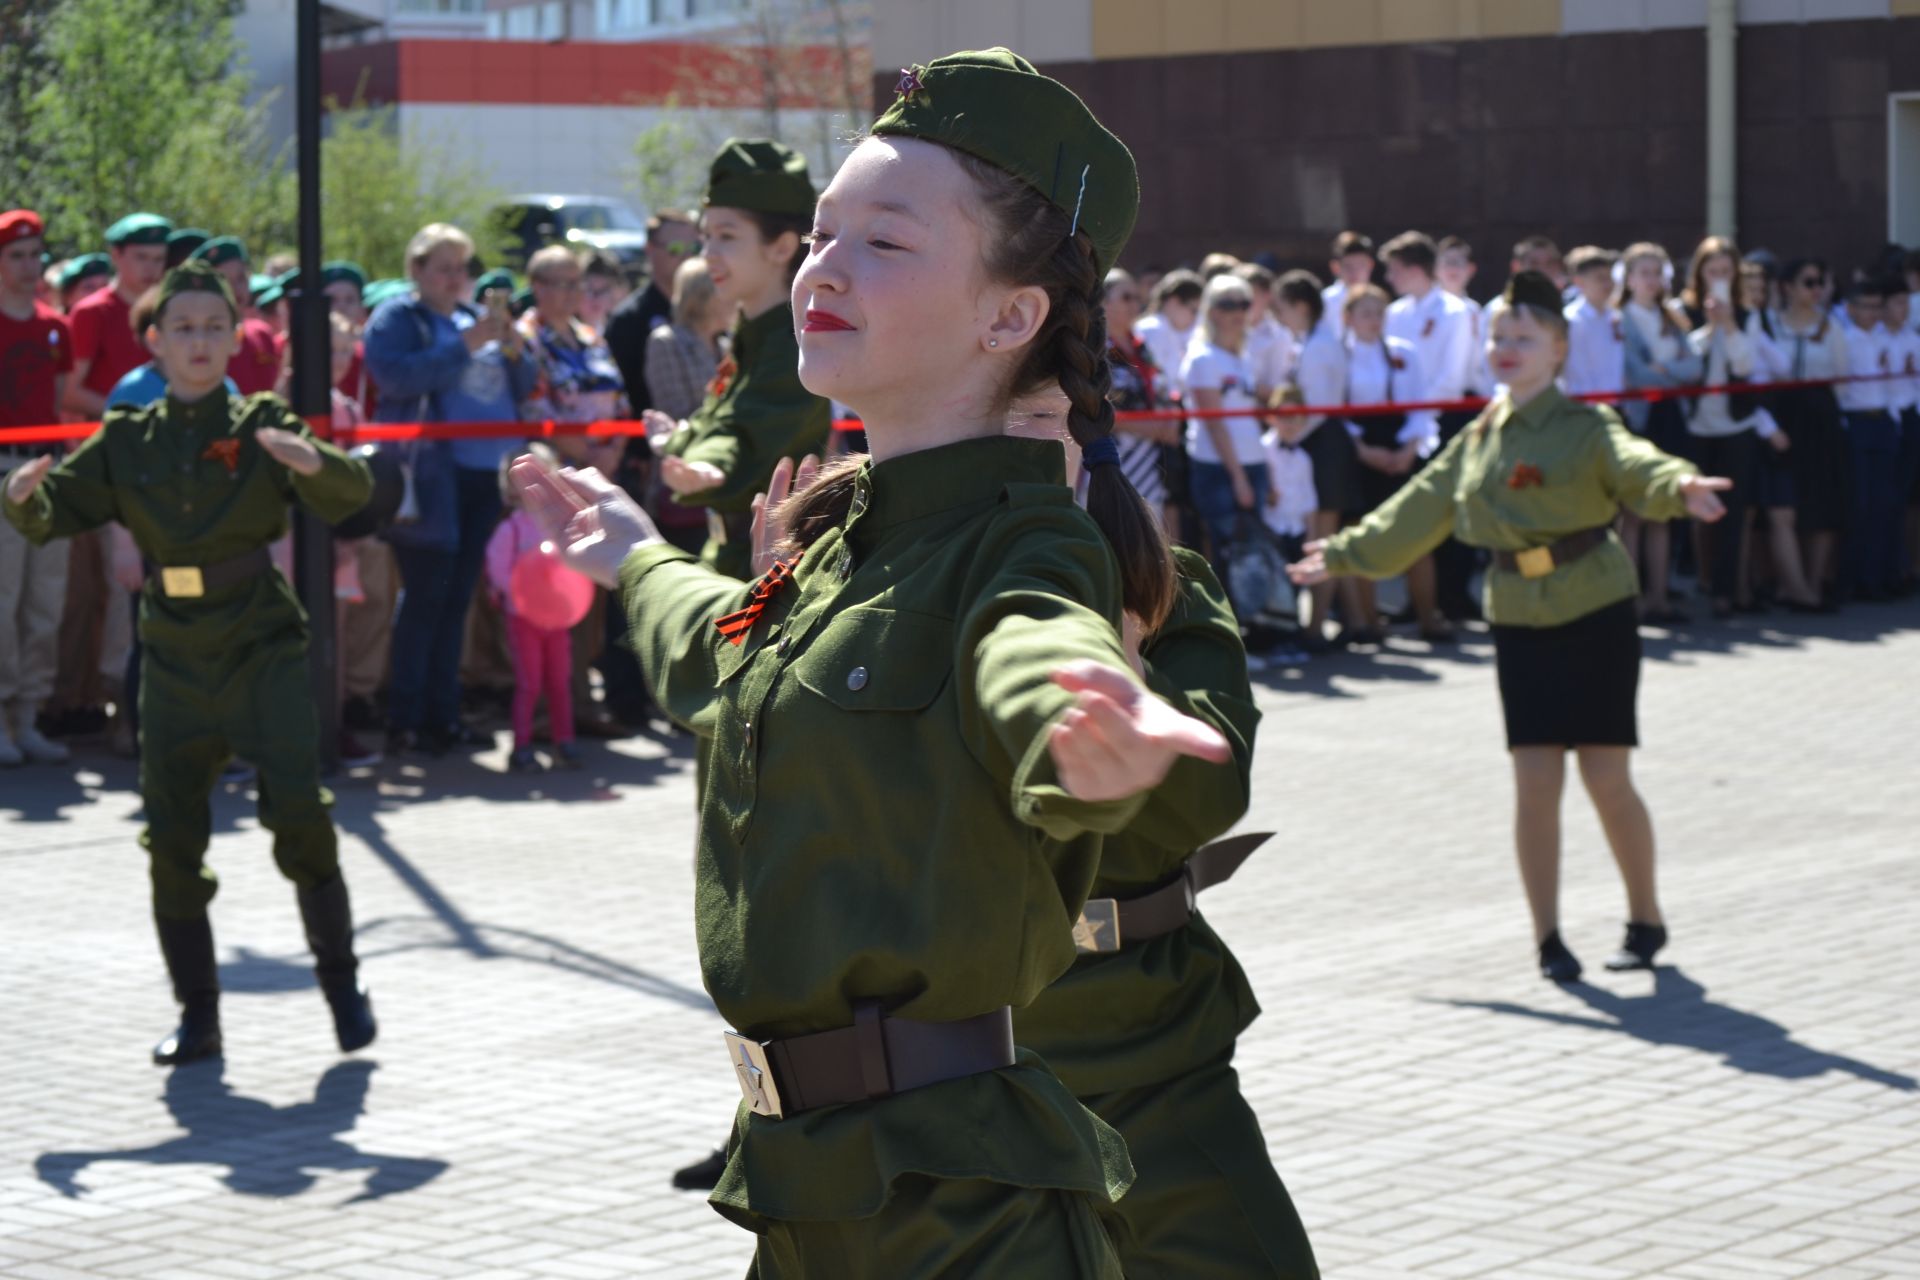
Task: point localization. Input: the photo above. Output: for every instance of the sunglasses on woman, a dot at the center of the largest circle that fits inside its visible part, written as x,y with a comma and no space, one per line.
1233,304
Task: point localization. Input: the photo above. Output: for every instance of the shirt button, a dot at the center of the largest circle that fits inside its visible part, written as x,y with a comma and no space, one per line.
748,733
786,643
857,679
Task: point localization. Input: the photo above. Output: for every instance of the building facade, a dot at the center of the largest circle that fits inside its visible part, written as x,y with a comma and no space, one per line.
1270,125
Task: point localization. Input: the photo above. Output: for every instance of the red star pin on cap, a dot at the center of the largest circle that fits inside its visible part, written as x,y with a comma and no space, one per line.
19,224
910,83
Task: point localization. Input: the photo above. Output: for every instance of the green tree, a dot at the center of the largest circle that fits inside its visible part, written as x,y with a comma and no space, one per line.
670,159
139,105
377,189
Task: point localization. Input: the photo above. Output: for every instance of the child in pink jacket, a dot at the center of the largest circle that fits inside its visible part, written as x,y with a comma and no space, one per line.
542,657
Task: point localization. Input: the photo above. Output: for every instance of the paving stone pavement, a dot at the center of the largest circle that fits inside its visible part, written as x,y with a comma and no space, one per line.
547,1055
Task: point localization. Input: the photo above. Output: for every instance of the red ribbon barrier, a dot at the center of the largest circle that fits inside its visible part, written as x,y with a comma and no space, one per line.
608,428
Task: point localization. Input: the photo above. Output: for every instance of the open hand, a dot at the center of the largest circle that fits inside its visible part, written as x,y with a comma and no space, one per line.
684,477
769,530
26,478
1121,740
295,453
1310,570
1701,492
592,521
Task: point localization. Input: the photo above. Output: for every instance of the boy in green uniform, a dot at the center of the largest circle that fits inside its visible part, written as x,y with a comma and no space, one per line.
203,480
759,203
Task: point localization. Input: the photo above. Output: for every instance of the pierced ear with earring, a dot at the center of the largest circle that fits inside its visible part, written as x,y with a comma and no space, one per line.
993,342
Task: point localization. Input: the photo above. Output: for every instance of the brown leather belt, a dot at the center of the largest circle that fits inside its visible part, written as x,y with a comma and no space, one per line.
875,1057
191,581
1108,924
1538,562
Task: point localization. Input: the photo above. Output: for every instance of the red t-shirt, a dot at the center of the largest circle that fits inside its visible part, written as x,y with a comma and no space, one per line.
33,352
255,367
103,333
356,383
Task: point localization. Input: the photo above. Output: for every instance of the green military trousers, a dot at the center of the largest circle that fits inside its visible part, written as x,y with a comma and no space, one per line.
949,1229
196,712
1205,1203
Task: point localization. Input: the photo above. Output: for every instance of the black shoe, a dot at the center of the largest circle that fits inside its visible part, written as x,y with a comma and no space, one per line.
1643,942
187,946
461,736
702,1175
328,917
408,744
358,716
523,760
1557,964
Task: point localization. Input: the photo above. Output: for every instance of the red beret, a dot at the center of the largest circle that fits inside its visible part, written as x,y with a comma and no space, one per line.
19,224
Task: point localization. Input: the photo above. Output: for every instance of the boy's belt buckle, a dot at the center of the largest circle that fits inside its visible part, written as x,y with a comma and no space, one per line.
184,582
1534,562
1098,928
755,1074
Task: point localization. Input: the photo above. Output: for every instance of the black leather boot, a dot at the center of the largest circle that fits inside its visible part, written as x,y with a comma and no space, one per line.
328,918
187,946
1642,943
1557,963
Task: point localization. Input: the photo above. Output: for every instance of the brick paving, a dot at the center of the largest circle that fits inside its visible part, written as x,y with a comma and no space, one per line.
547,1055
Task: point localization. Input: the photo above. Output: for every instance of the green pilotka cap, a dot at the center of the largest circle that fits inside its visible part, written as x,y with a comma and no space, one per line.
139,228
992,104
195,275
341,271
277,289
221,250
762,176
83,267
182,243
381,290
1533,289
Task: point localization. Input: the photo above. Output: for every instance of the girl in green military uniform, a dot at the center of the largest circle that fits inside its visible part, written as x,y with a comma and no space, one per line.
759,204
1142,1027
203,480
923,725
1538,479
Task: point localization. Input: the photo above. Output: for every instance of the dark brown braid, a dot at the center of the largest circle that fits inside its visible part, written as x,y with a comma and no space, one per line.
1028,244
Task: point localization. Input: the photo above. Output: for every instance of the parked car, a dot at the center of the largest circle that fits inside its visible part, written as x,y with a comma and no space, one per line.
586,222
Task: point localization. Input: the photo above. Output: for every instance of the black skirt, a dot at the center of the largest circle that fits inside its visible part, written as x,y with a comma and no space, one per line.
1574,685
1335,466
1818,456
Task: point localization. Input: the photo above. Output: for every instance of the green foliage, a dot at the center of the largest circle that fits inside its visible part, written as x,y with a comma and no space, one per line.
143,104
373,198
670,161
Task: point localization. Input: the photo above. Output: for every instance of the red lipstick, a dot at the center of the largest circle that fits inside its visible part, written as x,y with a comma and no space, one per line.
825,322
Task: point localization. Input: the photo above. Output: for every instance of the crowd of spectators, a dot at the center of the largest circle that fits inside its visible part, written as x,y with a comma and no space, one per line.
1825,510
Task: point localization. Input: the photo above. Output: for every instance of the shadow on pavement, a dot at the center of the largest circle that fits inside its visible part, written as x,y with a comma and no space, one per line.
1678,1013
267,1150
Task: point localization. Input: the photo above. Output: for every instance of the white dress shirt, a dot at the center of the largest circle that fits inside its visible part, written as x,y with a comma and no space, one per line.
1166,344
1372,379
1333,321
1869,353
1596,350
1903,350
1440,328
1729,356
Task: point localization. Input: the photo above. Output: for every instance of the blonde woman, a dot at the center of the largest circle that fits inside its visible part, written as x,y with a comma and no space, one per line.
680,361
1227,463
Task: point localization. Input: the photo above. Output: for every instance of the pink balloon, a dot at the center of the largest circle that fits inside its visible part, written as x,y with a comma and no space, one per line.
546,592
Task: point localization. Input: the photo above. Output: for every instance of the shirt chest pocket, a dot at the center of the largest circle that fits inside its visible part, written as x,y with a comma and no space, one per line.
879,660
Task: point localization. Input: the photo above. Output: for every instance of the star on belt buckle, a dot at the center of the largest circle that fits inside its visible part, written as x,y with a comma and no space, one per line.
183,583
1098,928
1534,562
755,1074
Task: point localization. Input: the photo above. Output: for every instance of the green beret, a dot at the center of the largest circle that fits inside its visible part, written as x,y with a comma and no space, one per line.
221,250
381,290
139,228
1533,289
522,303
258,284
498,278
761,176
994,105
343,272
194,276
83,267
182,243
276,289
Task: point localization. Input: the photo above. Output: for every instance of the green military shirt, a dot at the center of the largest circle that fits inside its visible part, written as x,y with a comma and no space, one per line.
1157,1009
193,488
881,818
759,415
1519,477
